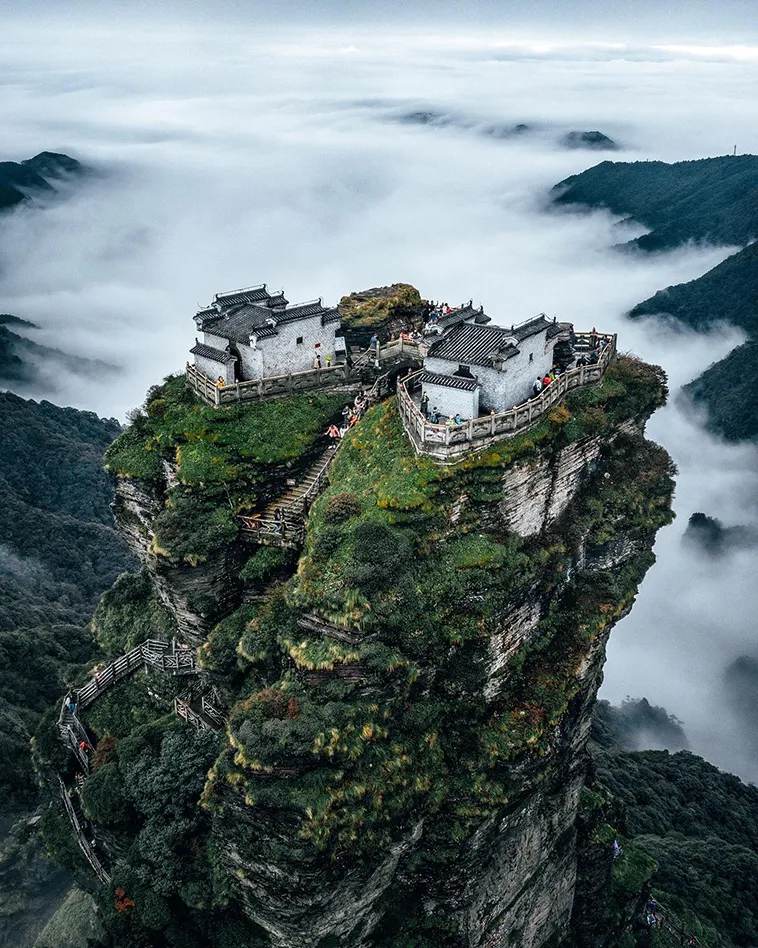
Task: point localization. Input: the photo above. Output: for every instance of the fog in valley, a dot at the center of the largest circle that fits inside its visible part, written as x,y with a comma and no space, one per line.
227,157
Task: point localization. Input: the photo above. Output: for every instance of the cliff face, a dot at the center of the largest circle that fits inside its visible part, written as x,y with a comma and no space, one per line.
196,595
405,760
436,782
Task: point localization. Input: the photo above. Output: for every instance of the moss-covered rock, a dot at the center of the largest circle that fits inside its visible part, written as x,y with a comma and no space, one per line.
383,311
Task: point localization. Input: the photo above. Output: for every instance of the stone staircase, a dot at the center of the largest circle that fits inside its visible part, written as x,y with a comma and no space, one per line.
294,505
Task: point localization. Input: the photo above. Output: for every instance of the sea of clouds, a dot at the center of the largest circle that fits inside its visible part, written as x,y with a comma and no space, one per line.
232,156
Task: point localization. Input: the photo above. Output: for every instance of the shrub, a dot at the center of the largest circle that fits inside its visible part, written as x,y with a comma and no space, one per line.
262,562
379,555
327,542
342,507
104,799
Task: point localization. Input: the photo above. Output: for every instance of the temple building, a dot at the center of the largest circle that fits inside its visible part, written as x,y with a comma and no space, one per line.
475,368
252,333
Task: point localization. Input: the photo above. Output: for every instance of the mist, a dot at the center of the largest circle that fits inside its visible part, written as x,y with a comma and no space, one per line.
228,159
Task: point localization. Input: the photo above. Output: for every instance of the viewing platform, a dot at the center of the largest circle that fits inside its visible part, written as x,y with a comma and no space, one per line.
450,442
343,376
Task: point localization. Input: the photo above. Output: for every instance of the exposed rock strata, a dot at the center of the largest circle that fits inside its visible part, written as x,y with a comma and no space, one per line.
536,493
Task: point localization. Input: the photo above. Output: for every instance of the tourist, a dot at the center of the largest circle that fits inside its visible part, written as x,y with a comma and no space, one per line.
85,746
546,380
458,420
552,374
537,386
328,362
434,417
425,405
220,382
278,521
71,705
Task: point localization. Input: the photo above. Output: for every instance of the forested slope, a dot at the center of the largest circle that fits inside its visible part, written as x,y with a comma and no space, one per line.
700,825
714,200
58,552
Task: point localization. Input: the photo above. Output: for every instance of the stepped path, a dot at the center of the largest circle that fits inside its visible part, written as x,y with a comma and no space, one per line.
78,822
294,505
198,709
194,706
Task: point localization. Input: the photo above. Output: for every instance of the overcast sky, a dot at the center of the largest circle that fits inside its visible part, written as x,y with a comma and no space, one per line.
726,20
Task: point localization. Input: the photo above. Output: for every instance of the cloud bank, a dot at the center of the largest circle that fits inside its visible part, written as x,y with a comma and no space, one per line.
231,160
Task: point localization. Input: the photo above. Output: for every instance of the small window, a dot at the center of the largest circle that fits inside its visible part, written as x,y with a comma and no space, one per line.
465,371
299,340
531,357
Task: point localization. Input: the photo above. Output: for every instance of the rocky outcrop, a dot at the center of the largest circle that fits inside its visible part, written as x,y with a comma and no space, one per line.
538,491
301,907
528,852
197,596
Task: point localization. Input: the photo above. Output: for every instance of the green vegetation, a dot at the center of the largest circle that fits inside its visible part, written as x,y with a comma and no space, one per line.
130,612
367,740
58,553
216,446
710,200
374,309
725,391
74,925
699,825
726,294
228,460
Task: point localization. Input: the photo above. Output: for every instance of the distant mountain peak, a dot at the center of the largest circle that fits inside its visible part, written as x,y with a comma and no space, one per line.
594,140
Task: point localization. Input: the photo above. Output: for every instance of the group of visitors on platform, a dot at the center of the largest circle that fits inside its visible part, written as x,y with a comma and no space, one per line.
540,384
434,312
434,415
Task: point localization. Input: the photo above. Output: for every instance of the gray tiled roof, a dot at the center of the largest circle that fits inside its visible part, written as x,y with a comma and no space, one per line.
251,294
462,314
474,345
294,311
235,316
557,328
449,381
482,345
531,327
209,352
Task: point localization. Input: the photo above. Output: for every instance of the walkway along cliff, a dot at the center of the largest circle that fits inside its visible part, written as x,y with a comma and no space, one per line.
410,686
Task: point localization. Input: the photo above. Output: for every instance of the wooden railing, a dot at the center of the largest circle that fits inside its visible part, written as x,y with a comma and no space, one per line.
291,528
170,659
272,386
394,349
211,718
167,658
448,442
284,532
81,837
